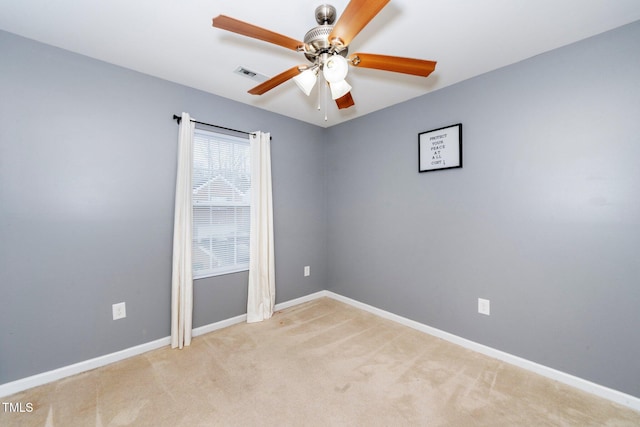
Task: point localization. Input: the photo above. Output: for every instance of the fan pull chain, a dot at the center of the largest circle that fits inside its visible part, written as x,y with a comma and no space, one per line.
326,102
323,92
320,83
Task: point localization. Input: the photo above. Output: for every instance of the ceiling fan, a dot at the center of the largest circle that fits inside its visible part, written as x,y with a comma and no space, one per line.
326,48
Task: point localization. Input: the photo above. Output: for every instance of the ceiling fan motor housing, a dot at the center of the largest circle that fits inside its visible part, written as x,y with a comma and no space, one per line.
317,39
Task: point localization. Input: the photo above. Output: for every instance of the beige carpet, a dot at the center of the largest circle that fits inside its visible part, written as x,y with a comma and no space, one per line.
321,363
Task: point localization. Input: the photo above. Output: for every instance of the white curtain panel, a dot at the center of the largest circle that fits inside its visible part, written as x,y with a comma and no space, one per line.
182,279
262,288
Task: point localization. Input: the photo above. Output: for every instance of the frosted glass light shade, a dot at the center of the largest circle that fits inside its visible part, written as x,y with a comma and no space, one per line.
335,69
339,89
306,80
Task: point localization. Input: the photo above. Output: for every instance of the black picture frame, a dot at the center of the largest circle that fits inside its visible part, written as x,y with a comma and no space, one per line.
440,148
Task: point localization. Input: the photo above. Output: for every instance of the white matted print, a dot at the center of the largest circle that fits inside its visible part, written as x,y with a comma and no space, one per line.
440,148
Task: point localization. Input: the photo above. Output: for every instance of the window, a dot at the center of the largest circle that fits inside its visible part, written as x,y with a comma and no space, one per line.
221,204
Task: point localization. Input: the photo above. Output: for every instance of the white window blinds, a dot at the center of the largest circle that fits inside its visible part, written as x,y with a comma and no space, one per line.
221,207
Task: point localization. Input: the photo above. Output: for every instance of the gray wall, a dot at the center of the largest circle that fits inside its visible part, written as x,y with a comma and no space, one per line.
543,219
87,165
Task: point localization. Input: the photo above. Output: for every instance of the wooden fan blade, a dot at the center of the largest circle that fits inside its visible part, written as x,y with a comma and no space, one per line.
345,101
275,81
355,17
417,67
236,26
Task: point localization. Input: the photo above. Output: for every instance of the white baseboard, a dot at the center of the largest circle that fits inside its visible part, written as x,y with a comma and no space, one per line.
218,325
87,365
77,368
579,383
243,317
301,300
562,377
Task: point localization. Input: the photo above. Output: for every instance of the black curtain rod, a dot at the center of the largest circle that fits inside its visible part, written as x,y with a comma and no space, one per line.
179,119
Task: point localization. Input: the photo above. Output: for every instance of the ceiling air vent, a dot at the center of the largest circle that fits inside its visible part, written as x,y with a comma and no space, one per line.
253,75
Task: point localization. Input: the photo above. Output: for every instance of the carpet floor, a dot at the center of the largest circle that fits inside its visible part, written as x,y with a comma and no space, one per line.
321,363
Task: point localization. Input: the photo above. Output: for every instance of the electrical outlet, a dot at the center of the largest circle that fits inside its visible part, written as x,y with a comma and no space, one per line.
484,306
119,311
307,271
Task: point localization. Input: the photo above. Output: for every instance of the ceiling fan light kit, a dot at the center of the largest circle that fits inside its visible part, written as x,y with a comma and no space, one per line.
335,69
326,46
306,80
339,89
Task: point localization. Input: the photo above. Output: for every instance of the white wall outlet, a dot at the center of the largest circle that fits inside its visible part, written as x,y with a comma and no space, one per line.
484,306
307,271
119,311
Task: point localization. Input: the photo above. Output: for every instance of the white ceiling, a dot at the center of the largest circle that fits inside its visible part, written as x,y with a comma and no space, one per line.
174,40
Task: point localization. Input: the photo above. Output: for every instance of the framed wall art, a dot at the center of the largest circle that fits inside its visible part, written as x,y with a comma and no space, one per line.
440,148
